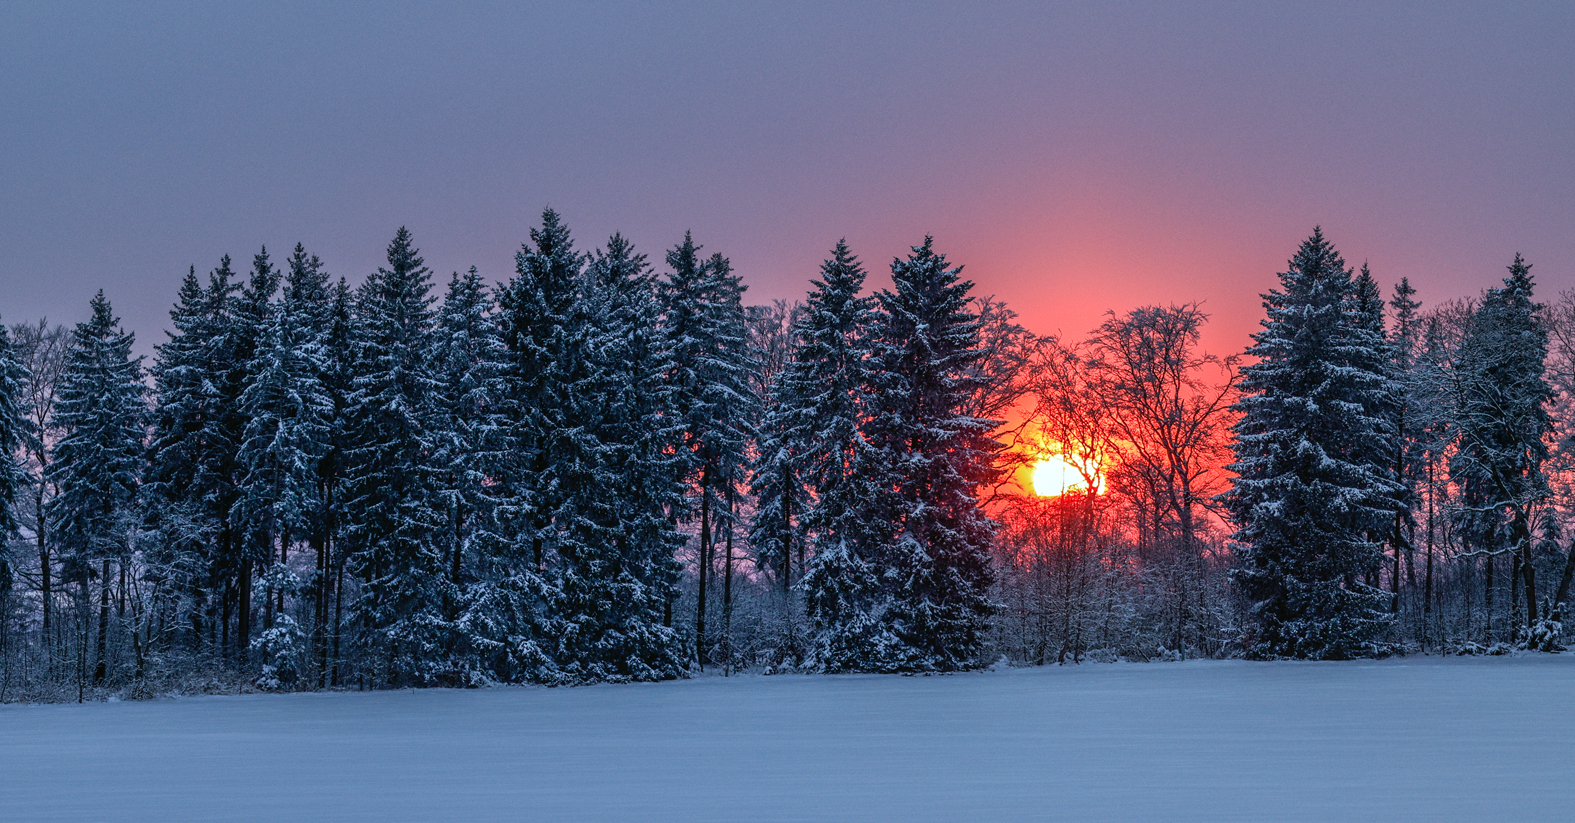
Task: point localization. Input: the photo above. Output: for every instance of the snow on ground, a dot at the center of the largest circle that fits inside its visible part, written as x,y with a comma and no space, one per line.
1407,739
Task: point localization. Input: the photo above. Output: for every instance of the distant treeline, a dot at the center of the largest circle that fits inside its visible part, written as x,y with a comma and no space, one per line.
602,472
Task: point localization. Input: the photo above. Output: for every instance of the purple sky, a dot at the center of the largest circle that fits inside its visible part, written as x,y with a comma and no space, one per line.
1075,158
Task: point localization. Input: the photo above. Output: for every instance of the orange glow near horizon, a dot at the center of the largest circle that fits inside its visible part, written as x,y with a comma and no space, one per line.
1054,476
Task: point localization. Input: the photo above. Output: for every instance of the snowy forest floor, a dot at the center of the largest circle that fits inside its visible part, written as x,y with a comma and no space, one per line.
1421,738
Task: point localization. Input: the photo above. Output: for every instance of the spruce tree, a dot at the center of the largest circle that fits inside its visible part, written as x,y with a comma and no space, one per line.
1376,354
538,329
931,456
551,468
706,335
193,476
340,364
1405,343
14,432
776,481
321,311
391,501
618,583
1502,418
1313,494
251,318
468,354
287,415
470,455
99,459
823,392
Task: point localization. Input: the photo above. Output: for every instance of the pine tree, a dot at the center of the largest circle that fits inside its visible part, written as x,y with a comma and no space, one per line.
321,311
14,431
250,319
98,461
1375,354
1502,418
468,354
391,499
932,457
618,584
823,394
193,475
1313,488
537,326
776,481
471,453
552,464
704,321
1405,346
340,364
288,414
811,425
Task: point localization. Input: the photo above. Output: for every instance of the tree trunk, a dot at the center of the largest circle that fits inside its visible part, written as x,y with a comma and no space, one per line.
284,560
101,667
1528,570
320,609
44,591
1564,583
339,611
243,620
1487,600
727,592
704,562
1514,593
268,589
1398,544
787,531
1427,594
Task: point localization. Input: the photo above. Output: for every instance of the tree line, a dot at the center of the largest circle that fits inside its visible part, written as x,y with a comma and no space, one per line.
606,470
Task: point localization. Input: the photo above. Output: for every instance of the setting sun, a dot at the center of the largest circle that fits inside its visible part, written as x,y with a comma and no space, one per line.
1054,476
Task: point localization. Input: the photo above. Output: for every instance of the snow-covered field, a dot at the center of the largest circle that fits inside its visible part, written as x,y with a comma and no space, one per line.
1409,739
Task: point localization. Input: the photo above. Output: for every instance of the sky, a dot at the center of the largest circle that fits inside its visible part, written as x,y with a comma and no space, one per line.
1075,158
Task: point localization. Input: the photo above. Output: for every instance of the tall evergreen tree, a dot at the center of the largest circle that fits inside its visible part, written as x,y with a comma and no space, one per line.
287,414
706,335
1405,344
340,364
1313,494
821,446
321,312
14,431
391,499
99,459
251,318
1377,355
471,454
193,475
1502,418
468,354
551,467
811,426
934,456
617,586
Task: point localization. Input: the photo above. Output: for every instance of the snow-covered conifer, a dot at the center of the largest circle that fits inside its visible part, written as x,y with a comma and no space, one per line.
617,584
823,390
14,431
99,459
468,354
194,474
1502,420
391,502
287,415
1313,491
707,338
930,457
